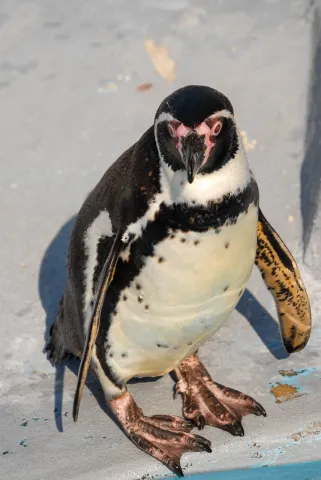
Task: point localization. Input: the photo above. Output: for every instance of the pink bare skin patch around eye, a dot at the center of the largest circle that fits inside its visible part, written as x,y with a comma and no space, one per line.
178,130
208,129
204,129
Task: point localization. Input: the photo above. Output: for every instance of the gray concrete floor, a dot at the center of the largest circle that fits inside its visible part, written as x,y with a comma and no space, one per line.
69,106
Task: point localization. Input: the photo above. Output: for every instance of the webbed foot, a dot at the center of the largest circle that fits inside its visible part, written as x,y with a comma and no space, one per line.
209,403
164,437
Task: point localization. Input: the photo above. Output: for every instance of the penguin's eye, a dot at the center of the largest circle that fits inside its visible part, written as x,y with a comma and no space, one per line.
217,128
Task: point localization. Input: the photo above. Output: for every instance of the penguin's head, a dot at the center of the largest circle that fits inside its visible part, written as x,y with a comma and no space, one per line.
195,130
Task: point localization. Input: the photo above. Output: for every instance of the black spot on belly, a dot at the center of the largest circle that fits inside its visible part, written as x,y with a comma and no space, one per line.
227,244
124,355
172,236
125,298
161,259
140,298
111,355
226,288
138,286
146,307
170,220
196,242
92,303
161,345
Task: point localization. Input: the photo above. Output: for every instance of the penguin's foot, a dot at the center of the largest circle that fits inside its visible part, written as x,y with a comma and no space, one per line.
55,348
209,403
164,437
61,345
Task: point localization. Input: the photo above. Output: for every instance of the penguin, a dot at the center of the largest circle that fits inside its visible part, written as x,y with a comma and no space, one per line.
159,256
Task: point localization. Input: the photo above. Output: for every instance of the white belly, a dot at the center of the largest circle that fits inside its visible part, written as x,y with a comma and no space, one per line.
183,294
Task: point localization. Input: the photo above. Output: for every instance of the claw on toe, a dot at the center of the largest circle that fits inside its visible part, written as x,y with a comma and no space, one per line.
208,403
235,429
200,422
176,469
259,410
164,437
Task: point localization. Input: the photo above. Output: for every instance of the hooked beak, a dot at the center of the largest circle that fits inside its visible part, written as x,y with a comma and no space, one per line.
194,161
193,150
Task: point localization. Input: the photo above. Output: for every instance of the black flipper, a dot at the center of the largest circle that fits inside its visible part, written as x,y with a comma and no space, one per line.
105,279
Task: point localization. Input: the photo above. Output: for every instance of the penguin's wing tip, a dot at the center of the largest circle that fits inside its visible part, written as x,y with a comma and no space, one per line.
281,275
106,278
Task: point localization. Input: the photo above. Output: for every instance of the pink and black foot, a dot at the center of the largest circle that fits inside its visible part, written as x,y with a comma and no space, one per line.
208,403
164,437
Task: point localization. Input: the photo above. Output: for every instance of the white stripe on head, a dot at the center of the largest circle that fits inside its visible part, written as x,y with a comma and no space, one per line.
164,116
100,227
222,113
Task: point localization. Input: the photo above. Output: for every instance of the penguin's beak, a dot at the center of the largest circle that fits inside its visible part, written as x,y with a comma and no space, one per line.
193,149
193,164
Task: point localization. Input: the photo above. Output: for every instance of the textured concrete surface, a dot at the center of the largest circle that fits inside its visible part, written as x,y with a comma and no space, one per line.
68,107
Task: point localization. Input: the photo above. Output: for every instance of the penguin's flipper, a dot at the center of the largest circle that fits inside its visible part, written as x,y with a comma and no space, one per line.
281,275
105,279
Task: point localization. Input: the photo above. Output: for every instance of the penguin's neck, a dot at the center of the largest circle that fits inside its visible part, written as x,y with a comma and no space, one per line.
231,179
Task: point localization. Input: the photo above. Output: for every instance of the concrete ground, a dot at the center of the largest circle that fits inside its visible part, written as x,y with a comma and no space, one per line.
69,105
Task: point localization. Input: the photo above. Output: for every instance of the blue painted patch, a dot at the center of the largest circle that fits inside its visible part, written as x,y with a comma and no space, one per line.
294,471
304,372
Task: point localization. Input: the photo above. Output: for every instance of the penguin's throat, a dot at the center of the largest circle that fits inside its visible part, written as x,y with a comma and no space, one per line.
230,180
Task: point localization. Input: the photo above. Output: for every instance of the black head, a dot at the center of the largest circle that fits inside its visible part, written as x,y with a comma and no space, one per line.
195,130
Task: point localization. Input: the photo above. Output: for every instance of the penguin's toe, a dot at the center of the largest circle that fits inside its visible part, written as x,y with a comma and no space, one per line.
208,403
164,437
166,443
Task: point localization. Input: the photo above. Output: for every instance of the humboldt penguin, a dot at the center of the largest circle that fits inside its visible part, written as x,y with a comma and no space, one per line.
159,255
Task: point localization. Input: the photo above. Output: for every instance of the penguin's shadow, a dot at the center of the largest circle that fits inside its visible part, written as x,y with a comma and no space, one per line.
52,279
51,284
